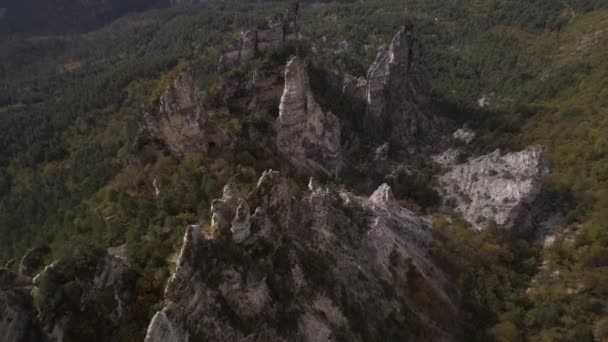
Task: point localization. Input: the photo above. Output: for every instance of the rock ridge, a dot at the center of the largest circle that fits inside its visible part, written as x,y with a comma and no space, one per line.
357,246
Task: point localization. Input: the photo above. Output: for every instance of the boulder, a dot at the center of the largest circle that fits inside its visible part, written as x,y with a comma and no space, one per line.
180,122
495,188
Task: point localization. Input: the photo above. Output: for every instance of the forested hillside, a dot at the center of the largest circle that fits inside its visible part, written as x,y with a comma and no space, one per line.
59,16
74,171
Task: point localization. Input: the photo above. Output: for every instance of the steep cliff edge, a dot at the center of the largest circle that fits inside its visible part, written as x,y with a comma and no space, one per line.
307,136
327,266
398,92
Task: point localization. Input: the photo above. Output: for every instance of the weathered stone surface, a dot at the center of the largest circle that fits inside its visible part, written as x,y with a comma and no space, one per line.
495,187
241,224
181,120
397,93
342,249
221,214
449,157
273,33
464,135
307,137
161,329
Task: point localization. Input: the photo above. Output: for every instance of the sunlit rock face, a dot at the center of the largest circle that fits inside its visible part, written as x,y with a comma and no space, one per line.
307,137
398,92
310,268
495,188
180,122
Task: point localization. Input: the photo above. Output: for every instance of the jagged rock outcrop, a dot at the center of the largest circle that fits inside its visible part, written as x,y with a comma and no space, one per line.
241,224
220,215
398,92
88,289
85,296
274,33
307,137
495,188
180,122
310,271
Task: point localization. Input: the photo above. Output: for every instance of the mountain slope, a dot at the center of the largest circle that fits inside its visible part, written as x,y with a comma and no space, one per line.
73,166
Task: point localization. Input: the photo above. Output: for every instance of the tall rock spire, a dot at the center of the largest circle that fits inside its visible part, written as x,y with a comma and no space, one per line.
398,91
306,136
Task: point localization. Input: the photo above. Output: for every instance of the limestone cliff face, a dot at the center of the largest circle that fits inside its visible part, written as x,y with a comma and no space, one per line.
397,92
69,295
311,268
181,120
307,137
495,187
274,33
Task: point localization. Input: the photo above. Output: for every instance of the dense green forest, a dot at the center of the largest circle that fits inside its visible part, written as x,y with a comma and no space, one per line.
71,107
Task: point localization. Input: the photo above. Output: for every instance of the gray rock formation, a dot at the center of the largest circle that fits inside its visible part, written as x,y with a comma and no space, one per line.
181,120
309,270
272,34
161,329
220,215
307,137
397,93
241,224
70,293
464,135
495,188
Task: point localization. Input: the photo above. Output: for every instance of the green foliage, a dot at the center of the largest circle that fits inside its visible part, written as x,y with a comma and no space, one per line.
71,108
492,270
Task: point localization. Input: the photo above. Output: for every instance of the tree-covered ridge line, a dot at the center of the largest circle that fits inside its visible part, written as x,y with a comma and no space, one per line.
70,116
